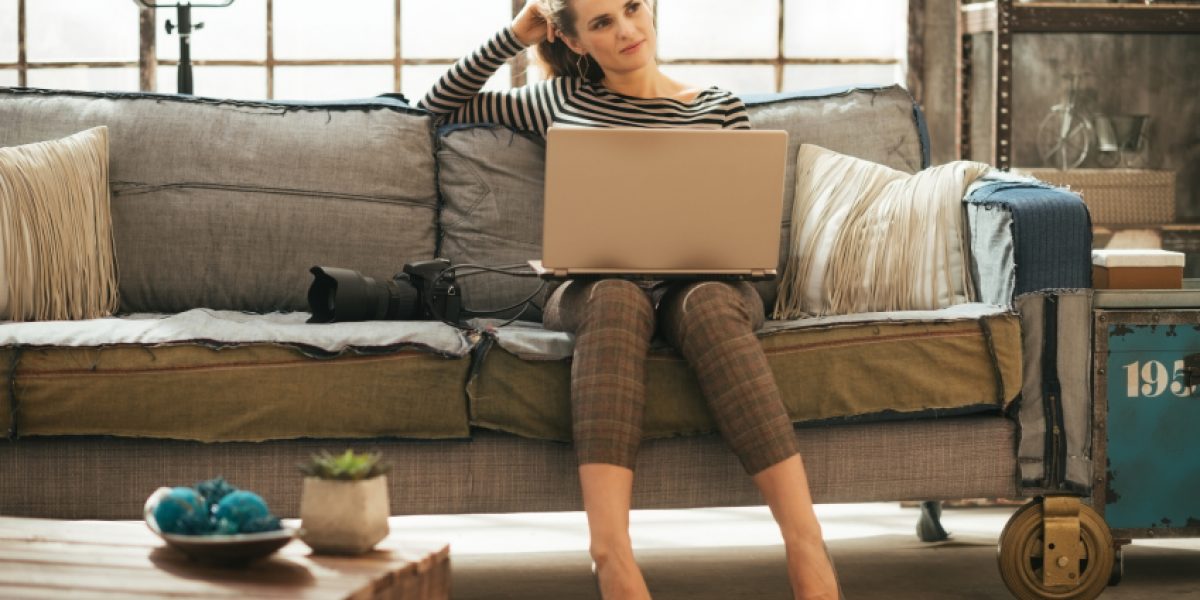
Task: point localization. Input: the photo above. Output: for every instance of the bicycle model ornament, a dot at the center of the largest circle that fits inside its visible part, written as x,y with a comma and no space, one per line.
1068,133
1065,135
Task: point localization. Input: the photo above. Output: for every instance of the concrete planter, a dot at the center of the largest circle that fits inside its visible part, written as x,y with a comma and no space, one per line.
344,517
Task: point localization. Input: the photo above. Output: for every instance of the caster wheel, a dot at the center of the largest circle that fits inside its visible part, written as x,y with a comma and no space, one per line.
1118,568
1021,553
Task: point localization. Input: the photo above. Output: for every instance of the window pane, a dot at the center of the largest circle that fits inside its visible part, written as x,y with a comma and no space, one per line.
8,31
8,77
718,29
241,83
81,30
845,28
116,80
238,31
322,29
416,80
332,83
812,77
449,28
752,79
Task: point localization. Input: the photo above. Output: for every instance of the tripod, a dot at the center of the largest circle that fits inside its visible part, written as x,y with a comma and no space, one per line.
183,20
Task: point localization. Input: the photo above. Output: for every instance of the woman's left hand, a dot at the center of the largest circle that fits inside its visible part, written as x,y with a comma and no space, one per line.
531,25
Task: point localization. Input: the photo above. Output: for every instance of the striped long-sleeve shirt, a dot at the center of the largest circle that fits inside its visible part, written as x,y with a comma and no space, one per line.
457,98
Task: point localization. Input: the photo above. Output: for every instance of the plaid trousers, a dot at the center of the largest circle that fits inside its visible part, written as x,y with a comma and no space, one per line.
711,323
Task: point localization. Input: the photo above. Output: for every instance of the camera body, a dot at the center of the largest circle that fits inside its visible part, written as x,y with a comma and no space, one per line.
438,295
424,290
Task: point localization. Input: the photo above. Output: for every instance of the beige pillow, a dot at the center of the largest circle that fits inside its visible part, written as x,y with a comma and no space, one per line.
56,243
867,238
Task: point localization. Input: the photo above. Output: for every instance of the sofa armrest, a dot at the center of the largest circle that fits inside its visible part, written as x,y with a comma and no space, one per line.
1026,236
1031,249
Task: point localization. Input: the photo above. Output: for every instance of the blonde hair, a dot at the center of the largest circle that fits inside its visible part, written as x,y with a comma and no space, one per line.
555,57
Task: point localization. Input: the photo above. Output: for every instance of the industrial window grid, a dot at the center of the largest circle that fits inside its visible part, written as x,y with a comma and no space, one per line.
149,61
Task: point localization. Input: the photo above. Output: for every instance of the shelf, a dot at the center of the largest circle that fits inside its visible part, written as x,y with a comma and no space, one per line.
1154,299
1007,19
1061,17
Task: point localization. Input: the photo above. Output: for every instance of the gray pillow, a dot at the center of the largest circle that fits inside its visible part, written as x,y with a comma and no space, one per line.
491,180
226,204
879,124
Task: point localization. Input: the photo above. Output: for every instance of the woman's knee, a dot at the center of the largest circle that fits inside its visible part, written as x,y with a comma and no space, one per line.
731,308
708,299
576,304
618,301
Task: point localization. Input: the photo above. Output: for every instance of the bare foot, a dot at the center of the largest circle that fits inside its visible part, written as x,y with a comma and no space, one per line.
620,578
810,572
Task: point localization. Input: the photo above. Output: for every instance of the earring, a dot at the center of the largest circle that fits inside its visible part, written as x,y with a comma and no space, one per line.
583,58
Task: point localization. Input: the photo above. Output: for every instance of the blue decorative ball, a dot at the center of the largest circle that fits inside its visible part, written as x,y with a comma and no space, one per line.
178,510
241,507
227,527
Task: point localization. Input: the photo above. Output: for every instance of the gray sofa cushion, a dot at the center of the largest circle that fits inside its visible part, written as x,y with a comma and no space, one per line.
881,125
491,182
492,179
226,205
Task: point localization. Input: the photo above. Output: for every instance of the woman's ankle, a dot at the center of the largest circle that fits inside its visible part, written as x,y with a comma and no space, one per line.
811,570
605,550
809,537
804,540
618,575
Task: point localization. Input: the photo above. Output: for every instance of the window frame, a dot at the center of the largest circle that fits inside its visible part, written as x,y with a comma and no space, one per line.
148,61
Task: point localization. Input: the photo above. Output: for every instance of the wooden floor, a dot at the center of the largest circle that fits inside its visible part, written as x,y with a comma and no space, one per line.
736,554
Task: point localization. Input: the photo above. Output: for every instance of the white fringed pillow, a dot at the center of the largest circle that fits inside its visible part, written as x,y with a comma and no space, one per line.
867,238
56,242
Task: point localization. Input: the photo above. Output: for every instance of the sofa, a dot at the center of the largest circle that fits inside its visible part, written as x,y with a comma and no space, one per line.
221,207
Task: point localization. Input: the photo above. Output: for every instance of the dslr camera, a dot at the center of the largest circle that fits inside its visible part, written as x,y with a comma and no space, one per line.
424,290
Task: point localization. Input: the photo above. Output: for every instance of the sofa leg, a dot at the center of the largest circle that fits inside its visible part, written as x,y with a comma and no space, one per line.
929,527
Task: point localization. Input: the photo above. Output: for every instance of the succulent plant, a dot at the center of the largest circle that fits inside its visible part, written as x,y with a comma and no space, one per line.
349,466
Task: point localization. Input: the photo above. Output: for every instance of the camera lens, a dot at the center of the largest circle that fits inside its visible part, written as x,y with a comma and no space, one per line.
339,295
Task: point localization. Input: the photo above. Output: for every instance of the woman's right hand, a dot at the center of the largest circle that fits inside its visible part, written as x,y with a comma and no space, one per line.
531,25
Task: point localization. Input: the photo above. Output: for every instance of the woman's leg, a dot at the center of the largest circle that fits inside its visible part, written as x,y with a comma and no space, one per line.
713,324
613,321
784,485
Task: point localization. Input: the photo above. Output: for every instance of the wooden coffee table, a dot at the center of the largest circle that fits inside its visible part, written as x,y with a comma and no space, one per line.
44,558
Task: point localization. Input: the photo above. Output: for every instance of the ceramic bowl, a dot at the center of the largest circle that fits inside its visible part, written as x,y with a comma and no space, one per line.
232,549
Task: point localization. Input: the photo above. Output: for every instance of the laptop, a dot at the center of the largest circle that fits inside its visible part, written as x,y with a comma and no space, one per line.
662,203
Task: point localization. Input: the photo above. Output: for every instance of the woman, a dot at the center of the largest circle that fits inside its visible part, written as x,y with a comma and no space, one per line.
601,54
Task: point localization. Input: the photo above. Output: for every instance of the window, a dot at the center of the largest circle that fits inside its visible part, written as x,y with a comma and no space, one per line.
316,49
65,31
8,33
823,43
80,44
